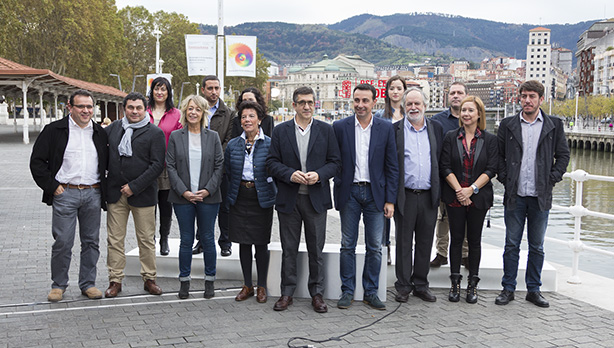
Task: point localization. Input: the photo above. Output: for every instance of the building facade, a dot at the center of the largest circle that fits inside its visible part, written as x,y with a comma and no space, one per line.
538,57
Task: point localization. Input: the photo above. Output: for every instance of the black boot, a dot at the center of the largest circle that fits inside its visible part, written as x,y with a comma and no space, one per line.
165,230
209,289
472,289
184,290
454,295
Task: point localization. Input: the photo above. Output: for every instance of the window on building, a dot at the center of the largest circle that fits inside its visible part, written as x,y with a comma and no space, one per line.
539,41
532,41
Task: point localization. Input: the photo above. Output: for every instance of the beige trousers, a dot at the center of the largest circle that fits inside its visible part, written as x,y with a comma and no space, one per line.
144,226
443,233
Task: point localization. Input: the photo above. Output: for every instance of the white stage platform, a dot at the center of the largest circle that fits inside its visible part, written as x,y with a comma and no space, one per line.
228,268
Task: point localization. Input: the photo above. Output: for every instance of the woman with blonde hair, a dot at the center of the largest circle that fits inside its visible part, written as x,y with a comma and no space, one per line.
195,164
468,163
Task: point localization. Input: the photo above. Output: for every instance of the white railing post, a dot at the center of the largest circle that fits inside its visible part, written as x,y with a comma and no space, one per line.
578,211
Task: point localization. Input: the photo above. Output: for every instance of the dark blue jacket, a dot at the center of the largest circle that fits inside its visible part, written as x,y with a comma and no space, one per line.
234,159
322,157
383,164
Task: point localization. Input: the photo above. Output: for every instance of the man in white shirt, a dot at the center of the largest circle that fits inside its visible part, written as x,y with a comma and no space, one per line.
367,186
68,162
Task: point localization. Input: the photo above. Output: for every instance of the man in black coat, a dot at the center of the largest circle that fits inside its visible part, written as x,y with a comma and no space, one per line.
533,156
136,159
68,162
303,157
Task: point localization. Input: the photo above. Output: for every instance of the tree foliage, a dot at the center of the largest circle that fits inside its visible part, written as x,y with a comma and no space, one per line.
76,38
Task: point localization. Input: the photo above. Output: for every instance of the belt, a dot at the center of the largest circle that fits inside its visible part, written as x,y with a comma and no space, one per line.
247,184
416,192
80,187
361,183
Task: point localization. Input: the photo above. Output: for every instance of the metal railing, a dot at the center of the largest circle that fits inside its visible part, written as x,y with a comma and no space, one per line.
578,211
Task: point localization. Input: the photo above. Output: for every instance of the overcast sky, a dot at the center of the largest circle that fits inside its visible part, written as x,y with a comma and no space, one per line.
536,12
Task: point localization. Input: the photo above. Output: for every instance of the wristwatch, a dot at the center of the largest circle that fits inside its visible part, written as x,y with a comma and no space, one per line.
475,189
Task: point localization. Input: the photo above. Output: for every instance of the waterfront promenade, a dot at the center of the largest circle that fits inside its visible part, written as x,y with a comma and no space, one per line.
136,319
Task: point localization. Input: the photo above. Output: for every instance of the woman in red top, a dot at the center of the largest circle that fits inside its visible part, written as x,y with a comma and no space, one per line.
163,113
469,160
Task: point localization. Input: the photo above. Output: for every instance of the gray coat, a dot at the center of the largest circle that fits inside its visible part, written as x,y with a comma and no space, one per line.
551,160
178,165
140,171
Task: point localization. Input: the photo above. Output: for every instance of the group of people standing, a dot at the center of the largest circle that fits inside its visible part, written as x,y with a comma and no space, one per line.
203,162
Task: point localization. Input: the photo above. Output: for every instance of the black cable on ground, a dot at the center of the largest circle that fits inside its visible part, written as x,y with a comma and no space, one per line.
338,338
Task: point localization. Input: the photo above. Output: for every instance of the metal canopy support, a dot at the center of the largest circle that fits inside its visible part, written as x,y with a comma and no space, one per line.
40,108
24,89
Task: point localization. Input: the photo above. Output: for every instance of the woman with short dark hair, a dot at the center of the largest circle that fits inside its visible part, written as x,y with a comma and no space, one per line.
251,196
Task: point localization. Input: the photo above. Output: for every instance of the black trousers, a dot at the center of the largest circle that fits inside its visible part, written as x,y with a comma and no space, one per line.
470,219
415,222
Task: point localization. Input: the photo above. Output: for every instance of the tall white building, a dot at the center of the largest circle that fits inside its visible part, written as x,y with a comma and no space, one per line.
538,58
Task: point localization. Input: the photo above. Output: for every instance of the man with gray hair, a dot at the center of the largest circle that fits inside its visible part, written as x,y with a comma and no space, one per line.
418,148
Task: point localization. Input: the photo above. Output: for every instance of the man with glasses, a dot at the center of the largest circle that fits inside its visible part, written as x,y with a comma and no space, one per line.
68,162
136,159
302,158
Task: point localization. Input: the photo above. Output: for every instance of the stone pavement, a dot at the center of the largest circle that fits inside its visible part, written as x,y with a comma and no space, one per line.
136,319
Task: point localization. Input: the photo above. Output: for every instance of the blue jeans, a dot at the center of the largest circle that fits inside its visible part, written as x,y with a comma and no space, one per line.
527,209
205,215
361,202
68,207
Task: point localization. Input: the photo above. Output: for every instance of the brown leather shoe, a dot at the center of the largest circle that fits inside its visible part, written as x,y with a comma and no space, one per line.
151,287
245,293
283,303
114,289
318,304
261,294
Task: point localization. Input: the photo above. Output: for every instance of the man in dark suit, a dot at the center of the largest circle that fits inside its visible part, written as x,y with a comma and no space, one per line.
220,120
366,185
136,159
303,157
418,148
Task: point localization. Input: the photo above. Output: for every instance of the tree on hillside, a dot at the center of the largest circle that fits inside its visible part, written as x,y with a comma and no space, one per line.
138,54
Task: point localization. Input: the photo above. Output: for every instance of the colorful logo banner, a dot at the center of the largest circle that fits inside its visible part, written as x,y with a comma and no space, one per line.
241,56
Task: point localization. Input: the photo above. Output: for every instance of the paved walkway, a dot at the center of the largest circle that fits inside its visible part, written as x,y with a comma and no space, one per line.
136,319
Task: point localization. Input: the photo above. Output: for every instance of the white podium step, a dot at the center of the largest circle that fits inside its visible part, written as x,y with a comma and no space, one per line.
229,268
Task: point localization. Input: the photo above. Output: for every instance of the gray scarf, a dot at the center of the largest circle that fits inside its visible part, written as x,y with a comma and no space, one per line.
125,145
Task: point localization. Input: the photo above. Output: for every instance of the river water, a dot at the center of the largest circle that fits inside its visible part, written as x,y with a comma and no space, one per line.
597,232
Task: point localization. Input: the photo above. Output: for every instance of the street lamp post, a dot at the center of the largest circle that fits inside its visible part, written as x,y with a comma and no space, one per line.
119,81
575,125
157,33
134,80
181,93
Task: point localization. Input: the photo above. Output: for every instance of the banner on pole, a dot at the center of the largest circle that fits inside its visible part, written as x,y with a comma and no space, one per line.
200,53
241,56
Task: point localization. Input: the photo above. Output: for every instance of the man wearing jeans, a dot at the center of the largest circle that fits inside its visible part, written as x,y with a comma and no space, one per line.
68,162
533,156
367,186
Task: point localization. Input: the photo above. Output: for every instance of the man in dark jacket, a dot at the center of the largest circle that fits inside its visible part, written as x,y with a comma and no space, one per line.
303,157
220,120
136,159
68,162
533,155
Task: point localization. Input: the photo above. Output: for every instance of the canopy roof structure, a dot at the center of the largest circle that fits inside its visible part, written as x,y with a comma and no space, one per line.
21,81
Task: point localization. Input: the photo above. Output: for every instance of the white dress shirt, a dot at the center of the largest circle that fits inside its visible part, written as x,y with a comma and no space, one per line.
80,162
362,141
